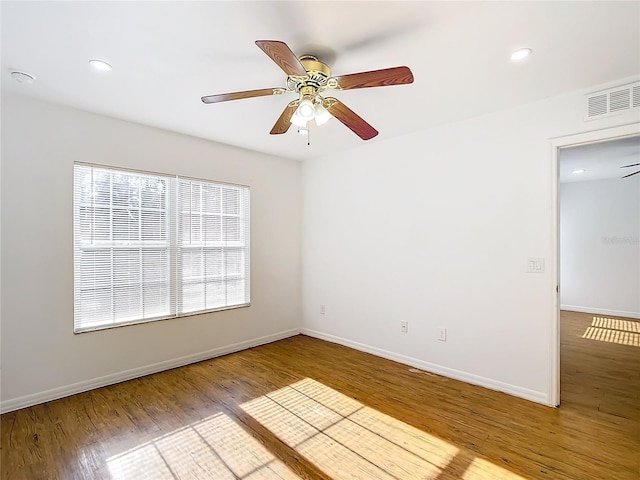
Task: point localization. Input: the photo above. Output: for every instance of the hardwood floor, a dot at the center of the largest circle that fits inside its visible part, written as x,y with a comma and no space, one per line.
304,408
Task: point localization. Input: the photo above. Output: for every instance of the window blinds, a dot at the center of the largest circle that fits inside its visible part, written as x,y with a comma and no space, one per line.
213,245
149,247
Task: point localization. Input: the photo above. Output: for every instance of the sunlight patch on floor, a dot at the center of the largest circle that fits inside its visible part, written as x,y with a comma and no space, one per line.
484,470
613,330
348,440
344,438
616,324
215,448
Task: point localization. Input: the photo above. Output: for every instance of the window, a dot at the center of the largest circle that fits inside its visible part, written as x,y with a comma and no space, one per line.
150,247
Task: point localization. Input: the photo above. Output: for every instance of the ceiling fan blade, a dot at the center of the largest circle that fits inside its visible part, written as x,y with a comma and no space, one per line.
284,122
349,118
280,53
376,78
632,165
632,174
223,97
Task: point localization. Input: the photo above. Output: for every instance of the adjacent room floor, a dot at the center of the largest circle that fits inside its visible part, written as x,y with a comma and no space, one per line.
305,408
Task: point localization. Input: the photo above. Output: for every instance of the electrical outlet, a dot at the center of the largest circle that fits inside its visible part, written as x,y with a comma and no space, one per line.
442,335
322,310
404,327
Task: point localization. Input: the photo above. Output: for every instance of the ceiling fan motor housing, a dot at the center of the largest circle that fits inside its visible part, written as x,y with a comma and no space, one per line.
318,74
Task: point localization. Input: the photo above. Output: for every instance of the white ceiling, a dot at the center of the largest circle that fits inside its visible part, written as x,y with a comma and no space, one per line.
600,160
166,55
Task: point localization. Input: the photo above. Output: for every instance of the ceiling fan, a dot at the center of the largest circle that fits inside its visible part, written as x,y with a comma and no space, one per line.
309,77
632,165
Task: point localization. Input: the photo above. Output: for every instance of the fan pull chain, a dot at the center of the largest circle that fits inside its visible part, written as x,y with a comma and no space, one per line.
308,141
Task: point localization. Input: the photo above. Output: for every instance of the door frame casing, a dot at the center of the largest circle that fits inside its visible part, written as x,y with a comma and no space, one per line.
595,136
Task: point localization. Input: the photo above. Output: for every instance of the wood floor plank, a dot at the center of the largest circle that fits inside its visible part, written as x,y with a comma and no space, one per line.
302,408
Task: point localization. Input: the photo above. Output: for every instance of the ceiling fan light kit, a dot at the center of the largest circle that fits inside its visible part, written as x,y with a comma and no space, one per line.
305,109
309,77
322,115
297,120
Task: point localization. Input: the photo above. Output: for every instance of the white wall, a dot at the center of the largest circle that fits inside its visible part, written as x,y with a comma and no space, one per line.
41,357
600,246
435,228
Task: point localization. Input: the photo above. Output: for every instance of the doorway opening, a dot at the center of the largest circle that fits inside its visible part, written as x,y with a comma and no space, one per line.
596,210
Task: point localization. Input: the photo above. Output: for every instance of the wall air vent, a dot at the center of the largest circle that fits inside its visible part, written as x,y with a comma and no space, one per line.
612,101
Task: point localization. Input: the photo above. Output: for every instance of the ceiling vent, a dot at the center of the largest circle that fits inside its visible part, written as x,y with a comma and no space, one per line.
612,101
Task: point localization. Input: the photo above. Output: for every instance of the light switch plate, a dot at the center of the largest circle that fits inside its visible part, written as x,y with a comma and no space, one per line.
535,265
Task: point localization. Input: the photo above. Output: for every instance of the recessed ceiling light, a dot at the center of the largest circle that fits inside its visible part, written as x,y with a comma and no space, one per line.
520,54
100,65
580,170
22,77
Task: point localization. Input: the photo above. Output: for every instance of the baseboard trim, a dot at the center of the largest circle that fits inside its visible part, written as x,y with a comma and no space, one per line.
66,390
601,311
527,394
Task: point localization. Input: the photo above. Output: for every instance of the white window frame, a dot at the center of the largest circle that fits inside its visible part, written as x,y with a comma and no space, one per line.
232,271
